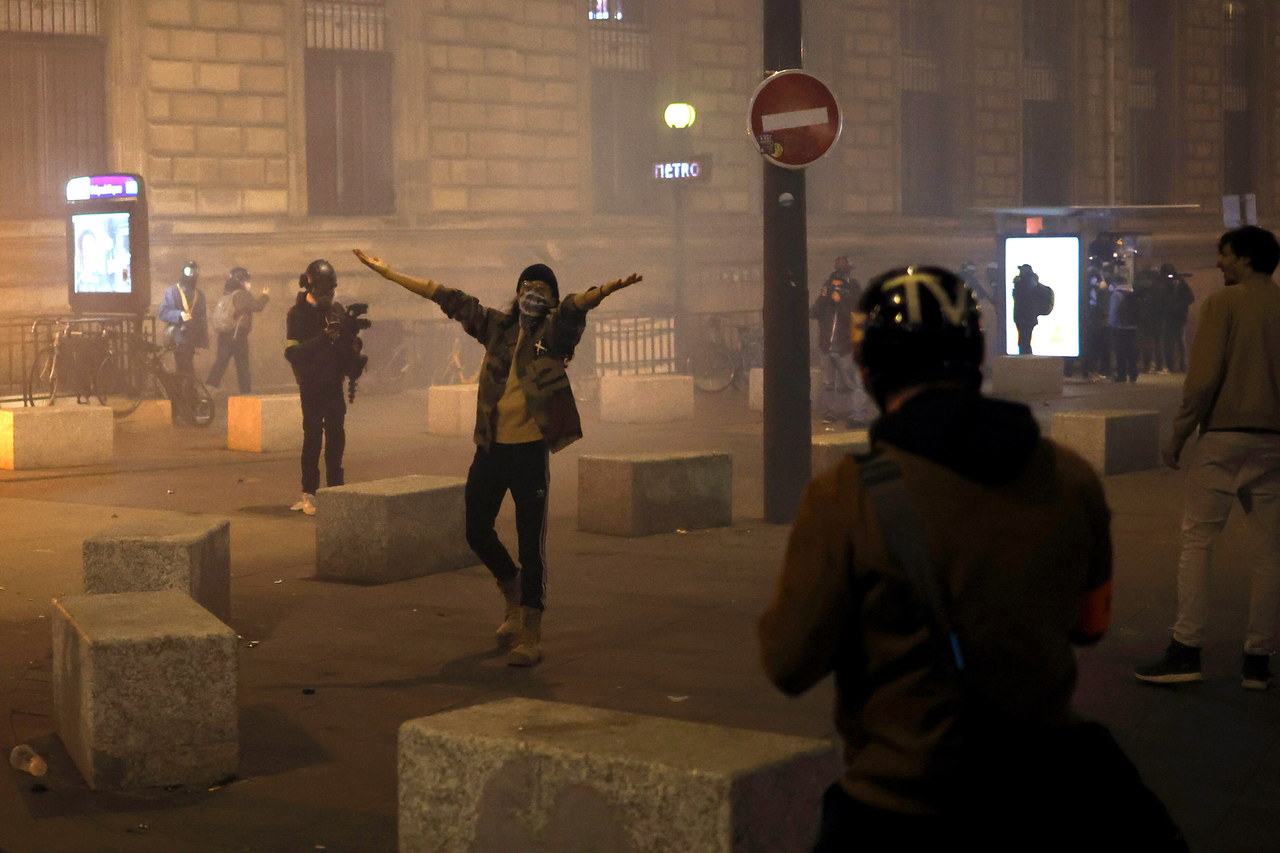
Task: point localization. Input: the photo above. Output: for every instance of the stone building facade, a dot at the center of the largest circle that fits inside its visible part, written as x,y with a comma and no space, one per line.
462,139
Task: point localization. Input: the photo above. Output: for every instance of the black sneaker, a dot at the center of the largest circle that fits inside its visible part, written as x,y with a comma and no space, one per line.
1255,673
1180,664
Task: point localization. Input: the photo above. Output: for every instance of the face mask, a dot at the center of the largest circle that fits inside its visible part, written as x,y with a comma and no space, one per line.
533,307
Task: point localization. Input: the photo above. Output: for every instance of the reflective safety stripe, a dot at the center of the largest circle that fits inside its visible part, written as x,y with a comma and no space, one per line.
292,343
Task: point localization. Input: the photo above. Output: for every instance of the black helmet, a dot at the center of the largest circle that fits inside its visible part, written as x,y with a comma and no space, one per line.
918,325
319,276
190,272
238,274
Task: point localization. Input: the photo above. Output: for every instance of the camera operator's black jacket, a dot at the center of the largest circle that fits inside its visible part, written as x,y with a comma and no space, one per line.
314,357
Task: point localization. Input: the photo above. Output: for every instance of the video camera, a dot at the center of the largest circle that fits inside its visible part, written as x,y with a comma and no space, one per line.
348,325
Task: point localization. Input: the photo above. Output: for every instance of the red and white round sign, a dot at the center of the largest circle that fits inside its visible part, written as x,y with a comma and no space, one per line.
794,118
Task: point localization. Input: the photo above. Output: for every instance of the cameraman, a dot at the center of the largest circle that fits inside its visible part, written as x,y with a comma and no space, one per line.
321,347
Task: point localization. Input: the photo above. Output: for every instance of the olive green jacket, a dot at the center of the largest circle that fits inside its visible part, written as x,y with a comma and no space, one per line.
540,362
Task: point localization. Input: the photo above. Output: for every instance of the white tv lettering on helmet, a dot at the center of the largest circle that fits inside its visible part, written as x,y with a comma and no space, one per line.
952,308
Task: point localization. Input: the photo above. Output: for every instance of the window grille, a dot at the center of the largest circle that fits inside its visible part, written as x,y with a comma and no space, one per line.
1039,83
619,37
349,25
627,11
1142,89
50,17
921,74
923,24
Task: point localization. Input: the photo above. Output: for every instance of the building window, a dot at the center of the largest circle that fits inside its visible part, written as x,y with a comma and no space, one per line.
53,98
1151,137
1240,66
625,113
927,140
631,11
1048,124
350,164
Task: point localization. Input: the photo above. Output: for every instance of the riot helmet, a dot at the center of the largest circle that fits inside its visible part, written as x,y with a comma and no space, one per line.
190,274
915,326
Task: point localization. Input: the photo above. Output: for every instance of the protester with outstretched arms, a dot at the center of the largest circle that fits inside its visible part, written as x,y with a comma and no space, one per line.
525,411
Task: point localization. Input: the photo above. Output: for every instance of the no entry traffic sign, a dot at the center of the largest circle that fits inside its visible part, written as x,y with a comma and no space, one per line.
794,119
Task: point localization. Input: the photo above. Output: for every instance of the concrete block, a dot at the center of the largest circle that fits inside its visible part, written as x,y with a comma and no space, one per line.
651,399
451,409
144,689
755,387
639,494
524,774
264,423
829,448
1112,440
61,436
189,553
1027,376
390,530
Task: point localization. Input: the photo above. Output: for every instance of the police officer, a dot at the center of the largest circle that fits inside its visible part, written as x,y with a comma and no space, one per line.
315,350
183,308
934,725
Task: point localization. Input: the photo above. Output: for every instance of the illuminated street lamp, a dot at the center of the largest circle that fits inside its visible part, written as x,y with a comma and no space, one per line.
680,116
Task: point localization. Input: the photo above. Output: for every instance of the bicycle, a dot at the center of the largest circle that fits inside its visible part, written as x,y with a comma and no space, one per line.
453,371
726,355
134,370
61,364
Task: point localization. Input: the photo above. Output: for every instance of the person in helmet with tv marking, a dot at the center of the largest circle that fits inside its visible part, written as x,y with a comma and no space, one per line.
1016,534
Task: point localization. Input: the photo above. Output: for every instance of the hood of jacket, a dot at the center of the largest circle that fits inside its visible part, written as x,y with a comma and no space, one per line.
987,441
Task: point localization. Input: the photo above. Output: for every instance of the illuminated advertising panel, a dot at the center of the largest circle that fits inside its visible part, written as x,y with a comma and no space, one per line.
107,254
1031,264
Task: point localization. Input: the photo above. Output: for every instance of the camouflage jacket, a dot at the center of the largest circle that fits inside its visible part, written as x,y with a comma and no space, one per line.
540,364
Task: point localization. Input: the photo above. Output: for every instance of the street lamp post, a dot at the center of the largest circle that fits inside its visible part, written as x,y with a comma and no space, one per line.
680,118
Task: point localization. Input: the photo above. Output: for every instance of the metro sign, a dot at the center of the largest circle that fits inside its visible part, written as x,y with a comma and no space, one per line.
687,170
794,119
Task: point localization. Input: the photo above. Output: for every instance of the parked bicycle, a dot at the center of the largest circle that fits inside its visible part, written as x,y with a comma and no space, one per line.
65,365
456,369
136,369
726,354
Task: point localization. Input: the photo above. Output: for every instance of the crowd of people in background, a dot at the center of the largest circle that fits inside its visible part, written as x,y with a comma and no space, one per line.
1134,326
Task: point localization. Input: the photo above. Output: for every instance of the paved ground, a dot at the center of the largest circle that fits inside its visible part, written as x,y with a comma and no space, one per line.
662,625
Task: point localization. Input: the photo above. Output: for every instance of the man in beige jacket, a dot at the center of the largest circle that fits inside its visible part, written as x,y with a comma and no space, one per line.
1232,396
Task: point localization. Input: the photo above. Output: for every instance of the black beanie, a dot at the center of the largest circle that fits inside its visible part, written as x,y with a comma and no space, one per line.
540,272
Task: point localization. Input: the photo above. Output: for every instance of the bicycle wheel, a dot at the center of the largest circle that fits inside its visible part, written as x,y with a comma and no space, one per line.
193,403
118,388
712,368
42,380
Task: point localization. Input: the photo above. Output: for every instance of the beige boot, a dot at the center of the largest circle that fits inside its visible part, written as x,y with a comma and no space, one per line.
528,650
509,630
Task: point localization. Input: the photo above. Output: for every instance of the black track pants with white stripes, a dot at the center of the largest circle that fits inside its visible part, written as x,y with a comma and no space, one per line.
525,471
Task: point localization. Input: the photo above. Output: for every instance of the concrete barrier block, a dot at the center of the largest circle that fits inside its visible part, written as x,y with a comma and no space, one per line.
451,409
1113,441
640,494
264,423
650,399
524,774
61,436
829,448
189,553
144,689
755,387
391,530
1027,376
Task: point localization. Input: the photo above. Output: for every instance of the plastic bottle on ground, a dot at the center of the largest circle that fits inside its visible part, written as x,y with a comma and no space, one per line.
27,760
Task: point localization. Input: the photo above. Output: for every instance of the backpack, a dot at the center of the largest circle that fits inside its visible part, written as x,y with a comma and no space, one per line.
224,314
1044,299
